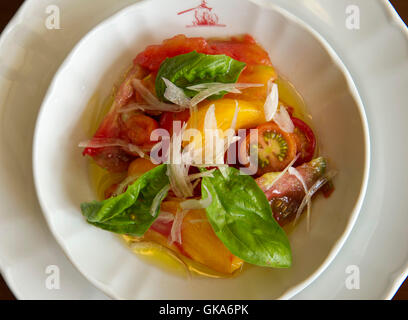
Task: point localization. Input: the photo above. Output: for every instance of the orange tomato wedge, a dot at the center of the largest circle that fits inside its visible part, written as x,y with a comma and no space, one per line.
250,115
254,74
199,241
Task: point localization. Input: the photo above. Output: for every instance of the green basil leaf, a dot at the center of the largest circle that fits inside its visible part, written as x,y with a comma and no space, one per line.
131,212
195,68
242,219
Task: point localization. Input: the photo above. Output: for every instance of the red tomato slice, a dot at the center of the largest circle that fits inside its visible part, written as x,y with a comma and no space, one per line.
305,140
110,192
167,119
138,128
243,49
110,126
152,57
275,148
115,159
290,110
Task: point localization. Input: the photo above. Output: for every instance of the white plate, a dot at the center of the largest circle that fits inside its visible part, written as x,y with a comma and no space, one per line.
326,17
86,75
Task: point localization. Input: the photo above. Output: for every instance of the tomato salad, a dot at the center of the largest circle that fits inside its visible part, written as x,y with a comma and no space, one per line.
216,213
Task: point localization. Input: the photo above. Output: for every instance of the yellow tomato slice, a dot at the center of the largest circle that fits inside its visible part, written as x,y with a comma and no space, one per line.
254,74
199,242
250,115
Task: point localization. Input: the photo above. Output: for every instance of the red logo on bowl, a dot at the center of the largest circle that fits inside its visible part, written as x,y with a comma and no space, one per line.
203,16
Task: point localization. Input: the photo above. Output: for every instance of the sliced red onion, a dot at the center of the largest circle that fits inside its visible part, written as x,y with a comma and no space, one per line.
235,118
283,120
135,107
177,170
165,217
195,184
206,165
199,175
158,199
208,89
272,100
231,87
308,196
175,233
97,143
292,171
210,121
151,99
220,144
176,94
217,143
125,183
280,175
193,204
180,185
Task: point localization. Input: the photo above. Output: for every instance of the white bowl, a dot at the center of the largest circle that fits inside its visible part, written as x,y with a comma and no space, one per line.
98,61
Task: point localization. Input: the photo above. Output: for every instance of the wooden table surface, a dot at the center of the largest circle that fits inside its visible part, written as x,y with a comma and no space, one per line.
7,10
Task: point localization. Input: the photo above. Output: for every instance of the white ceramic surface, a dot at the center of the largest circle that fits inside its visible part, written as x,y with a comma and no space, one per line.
377,244
61,175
